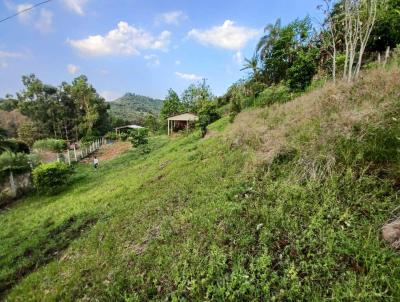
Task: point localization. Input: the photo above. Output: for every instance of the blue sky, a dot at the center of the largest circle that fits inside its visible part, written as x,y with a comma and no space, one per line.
137,46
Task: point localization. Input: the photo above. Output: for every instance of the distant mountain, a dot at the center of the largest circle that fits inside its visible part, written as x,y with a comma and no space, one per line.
133,107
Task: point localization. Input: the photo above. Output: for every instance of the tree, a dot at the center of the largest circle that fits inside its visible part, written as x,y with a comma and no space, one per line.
252,64
386,31
359,21
195,95
302,71
151,122
29,132
171,105
330,32
280,47
207,115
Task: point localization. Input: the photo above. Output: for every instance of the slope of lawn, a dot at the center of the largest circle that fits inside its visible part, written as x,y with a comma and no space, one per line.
285,204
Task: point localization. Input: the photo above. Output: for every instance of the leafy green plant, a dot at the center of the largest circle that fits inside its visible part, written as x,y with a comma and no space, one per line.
56,145
13,162
139,137
274,94
111,135
207,115
52,177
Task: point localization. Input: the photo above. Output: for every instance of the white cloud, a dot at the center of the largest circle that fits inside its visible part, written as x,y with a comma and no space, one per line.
3,65
72,69
227,36
76,6
45,21
238,57
110,95
124,40
178,62
172,18
26,16
153,60
188,76
42,19
9,54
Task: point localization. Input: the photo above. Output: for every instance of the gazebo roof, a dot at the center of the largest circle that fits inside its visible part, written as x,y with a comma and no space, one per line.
129,126
184,117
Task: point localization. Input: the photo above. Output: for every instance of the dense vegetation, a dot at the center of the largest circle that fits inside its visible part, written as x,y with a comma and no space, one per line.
134,108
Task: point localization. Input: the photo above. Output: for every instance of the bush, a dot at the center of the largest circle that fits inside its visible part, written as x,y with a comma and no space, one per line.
88,139
16,162
111,135
207,115
51,177
301,73
18,146
139,137
273,94
56,145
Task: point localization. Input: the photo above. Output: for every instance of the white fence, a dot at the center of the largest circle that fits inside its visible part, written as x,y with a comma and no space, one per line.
76,155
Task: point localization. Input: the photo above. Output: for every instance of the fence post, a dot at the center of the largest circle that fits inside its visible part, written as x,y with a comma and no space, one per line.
69,157
76,157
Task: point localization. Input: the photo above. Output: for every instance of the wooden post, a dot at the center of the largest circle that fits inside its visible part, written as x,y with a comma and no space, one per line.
76,157
187,126
69,157
387,55
168,127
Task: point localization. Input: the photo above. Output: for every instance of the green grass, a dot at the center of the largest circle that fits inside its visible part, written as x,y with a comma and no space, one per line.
202,219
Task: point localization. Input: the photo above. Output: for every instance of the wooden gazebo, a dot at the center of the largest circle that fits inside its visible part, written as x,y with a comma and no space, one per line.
181,121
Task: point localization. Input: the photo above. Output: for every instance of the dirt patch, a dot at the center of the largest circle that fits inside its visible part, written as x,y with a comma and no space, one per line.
109,151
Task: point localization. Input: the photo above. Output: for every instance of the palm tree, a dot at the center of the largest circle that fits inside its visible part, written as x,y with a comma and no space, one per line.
252,64
272,32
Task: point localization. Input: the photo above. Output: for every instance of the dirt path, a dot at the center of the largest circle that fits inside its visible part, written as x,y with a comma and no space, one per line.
109,151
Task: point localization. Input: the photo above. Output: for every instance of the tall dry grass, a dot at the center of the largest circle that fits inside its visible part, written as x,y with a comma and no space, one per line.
310,121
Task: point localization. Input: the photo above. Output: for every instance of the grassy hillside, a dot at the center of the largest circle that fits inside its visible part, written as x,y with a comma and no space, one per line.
133,107
285,204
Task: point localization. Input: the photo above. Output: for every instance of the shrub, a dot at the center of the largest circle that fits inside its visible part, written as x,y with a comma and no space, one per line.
207,114
56,145
15,162
18,146
51,177
111,135
88,139
301,73
274,94
139,137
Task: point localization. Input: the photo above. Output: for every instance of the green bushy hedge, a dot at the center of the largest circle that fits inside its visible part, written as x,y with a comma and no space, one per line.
56,145
51,177
139,136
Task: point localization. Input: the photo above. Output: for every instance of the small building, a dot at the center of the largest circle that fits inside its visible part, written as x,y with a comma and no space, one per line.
118,129
180,122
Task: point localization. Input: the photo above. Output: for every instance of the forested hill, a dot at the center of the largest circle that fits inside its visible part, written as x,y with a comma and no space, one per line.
133,107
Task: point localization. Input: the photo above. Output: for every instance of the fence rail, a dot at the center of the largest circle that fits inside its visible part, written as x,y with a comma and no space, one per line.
74,155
